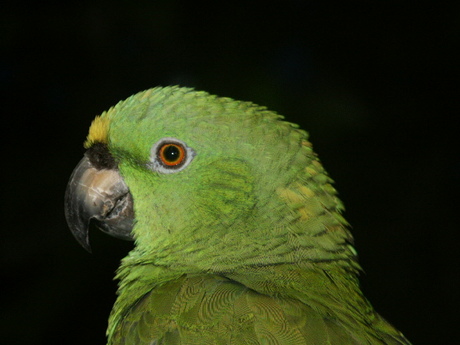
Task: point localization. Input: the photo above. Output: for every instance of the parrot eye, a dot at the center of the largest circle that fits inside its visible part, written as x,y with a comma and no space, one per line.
170,155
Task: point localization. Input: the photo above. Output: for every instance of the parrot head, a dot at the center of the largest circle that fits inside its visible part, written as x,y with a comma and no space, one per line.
205,183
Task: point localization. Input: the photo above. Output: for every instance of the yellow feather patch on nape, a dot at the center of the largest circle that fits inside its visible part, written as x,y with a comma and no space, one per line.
296,199
99,129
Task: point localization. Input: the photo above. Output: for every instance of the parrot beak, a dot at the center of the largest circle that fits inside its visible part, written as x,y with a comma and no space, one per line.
99,194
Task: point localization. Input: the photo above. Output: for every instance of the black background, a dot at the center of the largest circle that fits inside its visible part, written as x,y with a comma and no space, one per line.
375,83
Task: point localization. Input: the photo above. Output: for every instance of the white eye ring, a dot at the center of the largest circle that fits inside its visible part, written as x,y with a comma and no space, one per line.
170,155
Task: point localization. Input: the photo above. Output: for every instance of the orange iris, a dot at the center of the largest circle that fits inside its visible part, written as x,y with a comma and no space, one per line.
171,154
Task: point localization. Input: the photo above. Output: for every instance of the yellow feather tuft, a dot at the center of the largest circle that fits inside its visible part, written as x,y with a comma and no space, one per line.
99,130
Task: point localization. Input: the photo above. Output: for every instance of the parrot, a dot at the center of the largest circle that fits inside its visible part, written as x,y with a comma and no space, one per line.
239,235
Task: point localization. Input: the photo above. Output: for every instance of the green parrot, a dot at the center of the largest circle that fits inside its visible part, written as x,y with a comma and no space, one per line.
239,237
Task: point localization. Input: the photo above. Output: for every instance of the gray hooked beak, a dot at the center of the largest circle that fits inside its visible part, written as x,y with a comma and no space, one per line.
100,194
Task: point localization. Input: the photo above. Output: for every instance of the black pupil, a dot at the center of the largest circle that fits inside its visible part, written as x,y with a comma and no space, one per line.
171,153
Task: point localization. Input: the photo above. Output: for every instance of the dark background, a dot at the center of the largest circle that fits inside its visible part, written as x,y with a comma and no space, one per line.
375,83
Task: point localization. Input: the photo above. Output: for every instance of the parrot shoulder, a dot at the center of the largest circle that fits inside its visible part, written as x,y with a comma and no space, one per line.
212,309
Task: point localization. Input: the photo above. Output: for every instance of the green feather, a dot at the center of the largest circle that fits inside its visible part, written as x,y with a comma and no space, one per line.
245,245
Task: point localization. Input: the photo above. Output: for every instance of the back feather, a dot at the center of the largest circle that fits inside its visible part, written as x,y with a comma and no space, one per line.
216,310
